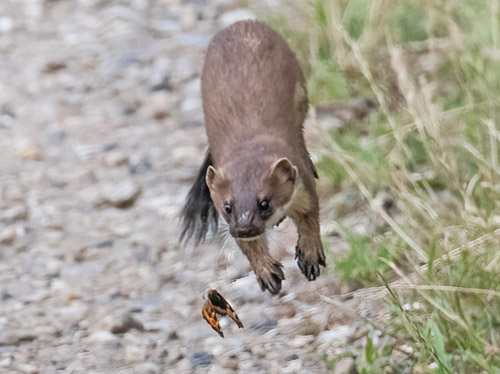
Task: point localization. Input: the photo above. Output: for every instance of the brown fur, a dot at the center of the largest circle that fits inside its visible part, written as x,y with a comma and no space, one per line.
255,102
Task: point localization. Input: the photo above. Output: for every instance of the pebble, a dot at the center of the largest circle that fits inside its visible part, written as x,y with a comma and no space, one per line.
160,104
125,323
140,167
8,235
267,323
6,24
231,363
201,359
147,368
16,213
116,158
102,337
334,337
28,369
345,365
5,362
235,15
301,341
8,338
121,195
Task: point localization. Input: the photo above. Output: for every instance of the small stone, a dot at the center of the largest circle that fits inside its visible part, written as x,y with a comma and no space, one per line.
135,353
202,359
160,104
126,323
334,337
5,362
110,147
292,357
105,244
175,353
8,235
301,341
147,368
26,336
140,167
267,323
345,365
116,158
16,213
6,24
28,369
120,195
164,83
102,337
231,363
28,150
235,15
156,326
8,338
54,66
56,137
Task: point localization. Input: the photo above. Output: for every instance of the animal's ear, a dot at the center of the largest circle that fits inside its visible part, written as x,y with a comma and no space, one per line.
283,172
212,177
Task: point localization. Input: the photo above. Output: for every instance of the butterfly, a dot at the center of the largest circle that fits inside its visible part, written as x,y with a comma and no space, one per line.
215,304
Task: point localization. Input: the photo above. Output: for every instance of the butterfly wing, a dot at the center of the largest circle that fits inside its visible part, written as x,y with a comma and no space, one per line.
210,316
222,307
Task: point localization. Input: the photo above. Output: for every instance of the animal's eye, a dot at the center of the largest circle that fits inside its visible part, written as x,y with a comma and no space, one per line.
264,205
228,208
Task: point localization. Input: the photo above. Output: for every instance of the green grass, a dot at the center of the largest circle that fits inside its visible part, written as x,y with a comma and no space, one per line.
432,144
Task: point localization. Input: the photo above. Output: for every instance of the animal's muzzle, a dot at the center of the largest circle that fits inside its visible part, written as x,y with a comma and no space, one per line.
245,232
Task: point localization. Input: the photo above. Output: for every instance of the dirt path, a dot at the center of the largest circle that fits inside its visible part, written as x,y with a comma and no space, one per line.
101,132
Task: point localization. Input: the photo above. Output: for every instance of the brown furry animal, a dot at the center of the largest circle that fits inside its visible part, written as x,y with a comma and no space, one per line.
257,170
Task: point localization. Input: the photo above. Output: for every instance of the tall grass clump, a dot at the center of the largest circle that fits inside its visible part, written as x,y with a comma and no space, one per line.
432,147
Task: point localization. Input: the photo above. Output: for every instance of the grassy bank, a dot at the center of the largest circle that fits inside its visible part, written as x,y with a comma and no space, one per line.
429,144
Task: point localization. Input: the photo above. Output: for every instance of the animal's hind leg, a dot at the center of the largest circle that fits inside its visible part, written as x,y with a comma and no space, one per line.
268,271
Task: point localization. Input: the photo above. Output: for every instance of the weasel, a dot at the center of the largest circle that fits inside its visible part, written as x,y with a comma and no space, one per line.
257,170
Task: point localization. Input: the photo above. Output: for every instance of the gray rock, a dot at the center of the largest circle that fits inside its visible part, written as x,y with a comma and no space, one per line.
16,213
202,359
120,195
8,338
126,323
116,158
28,369
345,365
335,337
102,337
8,235
267,323
6,25
301,341
147,368
231,363
235,15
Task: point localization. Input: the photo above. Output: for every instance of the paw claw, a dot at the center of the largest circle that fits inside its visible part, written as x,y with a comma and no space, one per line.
309,261
270,277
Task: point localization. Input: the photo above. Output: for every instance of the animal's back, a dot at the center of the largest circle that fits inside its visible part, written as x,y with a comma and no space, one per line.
252,87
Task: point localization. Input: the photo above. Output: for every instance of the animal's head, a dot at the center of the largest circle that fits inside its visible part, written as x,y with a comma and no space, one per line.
251,199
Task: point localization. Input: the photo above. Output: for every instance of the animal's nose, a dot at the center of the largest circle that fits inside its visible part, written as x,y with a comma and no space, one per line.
245,232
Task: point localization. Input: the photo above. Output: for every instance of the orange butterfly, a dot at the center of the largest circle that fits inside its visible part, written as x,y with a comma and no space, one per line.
217,305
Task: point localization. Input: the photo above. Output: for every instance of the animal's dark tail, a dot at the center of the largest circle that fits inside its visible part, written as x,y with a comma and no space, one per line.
199,213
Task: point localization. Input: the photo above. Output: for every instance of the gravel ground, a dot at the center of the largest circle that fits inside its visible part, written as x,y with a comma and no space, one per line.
101,132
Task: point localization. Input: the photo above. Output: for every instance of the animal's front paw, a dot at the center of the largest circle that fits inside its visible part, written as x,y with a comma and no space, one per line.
270,275
309,255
